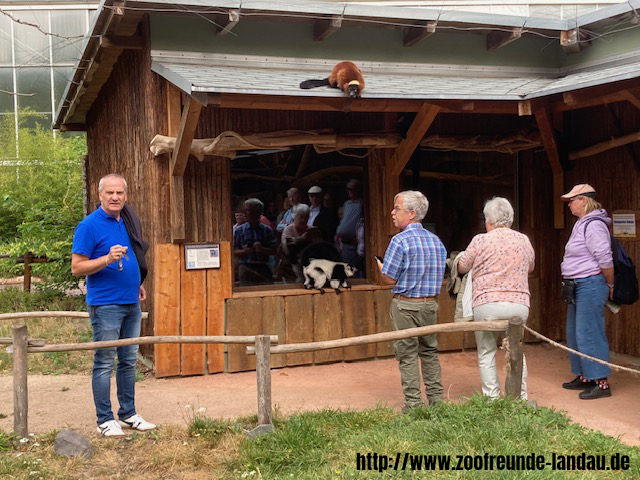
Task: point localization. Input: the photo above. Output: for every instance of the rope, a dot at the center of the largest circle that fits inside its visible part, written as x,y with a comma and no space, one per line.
570,350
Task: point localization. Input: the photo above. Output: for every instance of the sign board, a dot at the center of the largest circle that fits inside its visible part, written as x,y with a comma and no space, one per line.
625,224
201,255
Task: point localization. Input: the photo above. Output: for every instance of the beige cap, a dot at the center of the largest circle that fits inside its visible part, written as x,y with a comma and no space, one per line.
315,189
583,189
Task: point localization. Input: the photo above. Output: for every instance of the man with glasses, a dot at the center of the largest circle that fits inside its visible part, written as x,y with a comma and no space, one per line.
414,264
103,250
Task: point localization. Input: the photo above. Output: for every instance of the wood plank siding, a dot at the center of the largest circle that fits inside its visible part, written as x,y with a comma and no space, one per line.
132,108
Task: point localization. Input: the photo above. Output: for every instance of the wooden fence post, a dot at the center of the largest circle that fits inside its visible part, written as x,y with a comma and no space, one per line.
20,394
263,374
515,335
27,272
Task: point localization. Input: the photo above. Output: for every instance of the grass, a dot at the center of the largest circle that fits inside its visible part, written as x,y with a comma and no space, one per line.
325,445
54,330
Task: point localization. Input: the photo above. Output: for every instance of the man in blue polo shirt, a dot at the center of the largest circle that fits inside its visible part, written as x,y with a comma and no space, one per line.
102,250
414,264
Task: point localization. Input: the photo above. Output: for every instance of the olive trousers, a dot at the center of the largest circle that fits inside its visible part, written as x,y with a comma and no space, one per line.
406,314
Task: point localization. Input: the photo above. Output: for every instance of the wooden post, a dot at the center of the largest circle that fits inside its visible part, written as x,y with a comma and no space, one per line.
263,374
20,396
515,335
27,272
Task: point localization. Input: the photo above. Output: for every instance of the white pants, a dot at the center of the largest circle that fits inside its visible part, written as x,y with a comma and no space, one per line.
487,345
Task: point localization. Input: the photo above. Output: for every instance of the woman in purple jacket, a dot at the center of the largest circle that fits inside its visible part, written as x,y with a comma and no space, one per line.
588,263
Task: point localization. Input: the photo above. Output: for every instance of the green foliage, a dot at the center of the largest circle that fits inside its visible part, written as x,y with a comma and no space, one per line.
54,330
6,441
41,202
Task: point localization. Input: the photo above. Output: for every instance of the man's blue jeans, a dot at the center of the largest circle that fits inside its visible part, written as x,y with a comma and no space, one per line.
114,322
586,328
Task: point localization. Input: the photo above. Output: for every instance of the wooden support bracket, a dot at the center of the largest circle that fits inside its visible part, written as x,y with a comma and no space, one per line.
425,117
543,120
226,23
322,29
496,40
121,42
415,34
186,132
574,40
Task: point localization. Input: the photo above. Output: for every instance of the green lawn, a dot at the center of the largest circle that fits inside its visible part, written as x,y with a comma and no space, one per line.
327,445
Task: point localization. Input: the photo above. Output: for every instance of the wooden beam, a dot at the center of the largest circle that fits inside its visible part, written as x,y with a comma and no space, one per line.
419,127
496,40
121,42
631,97
524,108
574,40
415,34
336,104
186,132
176,183
226,23
604,146
73,127
551,147
322,29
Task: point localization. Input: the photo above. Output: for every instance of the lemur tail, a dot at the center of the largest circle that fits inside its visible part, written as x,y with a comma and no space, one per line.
315,83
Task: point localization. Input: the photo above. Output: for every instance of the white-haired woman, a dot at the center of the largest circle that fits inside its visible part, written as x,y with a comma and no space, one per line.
501,261
288,269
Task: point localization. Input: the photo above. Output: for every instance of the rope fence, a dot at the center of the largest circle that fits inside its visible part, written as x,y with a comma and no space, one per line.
570,350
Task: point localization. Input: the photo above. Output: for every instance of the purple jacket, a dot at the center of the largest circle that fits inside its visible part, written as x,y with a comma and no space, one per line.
587,256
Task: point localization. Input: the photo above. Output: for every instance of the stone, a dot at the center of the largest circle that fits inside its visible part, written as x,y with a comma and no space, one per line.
72,444
260,430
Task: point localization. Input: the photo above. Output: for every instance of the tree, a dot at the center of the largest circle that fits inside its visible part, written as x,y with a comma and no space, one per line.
41,185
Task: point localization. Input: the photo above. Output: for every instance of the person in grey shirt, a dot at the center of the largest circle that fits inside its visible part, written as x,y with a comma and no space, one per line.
352,212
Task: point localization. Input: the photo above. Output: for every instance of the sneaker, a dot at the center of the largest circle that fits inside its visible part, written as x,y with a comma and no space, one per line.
578,384
595,392
137,423
111,429
408,408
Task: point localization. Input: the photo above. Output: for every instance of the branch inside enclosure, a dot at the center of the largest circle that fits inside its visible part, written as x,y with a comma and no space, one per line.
495,326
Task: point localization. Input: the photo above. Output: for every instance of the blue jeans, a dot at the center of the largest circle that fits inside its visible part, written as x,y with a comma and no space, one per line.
585,328
114,322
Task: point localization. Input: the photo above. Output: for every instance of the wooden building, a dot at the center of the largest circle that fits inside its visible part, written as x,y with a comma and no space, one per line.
460,106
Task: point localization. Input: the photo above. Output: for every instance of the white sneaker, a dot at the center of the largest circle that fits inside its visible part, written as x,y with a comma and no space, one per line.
137,423
111,429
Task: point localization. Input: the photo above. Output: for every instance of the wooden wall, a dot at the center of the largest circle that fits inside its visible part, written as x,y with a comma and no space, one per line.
128,113
131,109
615,174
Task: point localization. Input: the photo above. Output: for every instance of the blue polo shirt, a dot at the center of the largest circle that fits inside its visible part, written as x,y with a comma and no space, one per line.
93,237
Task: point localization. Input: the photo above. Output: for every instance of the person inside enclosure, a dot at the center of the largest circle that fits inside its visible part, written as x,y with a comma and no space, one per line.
254,243
103,250
294,196
500,262
414,264
587,273
352,212
288,267
320,216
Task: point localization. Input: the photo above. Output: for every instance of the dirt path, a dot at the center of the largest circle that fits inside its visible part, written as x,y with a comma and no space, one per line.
58,402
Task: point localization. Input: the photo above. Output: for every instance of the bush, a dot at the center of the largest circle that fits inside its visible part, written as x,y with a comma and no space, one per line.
41,203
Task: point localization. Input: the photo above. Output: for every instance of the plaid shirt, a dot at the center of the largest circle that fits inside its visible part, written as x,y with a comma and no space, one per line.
245,236
415,258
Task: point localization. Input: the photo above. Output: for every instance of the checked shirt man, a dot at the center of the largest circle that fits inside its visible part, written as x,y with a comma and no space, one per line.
414,264
103,251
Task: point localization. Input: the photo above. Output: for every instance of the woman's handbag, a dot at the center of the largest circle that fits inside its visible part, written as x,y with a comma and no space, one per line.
568,291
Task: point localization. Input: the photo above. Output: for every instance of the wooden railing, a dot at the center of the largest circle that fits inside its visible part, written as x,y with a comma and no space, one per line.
22,346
